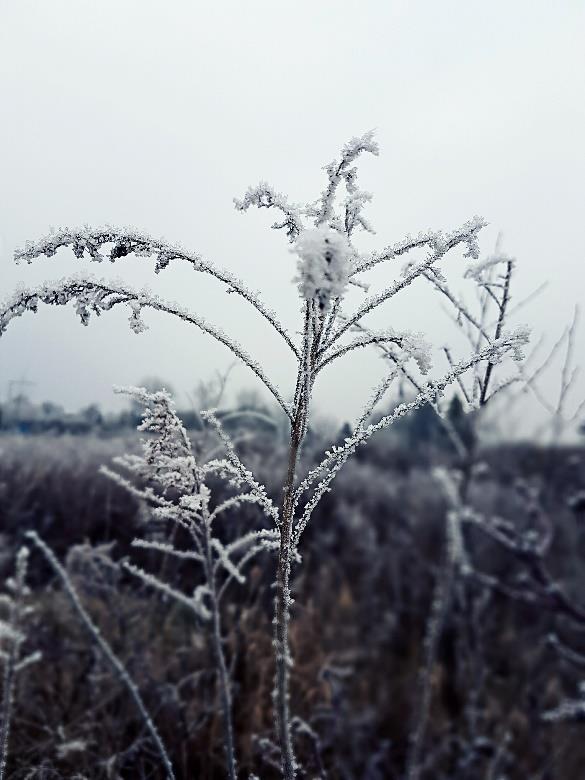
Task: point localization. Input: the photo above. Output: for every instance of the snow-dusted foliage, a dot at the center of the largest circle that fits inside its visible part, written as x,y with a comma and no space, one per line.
322,233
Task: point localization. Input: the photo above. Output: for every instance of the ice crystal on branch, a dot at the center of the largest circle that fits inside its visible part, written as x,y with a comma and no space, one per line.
97,295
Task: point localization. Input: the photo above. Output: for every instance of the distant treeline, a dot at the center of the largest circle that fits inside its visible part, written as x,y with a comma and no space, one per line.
21,415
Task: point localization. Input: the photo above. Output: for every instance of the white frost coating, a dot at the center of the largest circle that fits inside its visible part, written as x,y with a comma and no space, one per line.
400,345
195,603
338,455
98,295
246,477
353,206
440,244
339,170
264,196
419,349
324,265
87,242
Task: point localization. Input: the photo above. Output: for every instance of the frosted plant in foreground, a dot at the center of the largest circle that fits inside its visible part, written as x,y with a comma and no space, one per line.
12,638
328,262
173,484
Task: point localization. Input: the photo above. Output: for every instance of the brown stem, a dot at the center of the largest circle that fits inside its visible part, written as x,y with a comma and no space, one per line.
285,552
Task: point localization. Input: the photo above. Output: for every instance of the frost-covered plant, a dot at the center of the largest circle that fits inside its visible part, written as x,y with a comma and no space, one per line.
322,235
169,479
12,638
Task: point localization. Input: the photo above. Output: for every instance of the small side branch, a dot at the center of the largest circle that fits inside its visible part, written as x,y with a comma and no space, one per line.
467,234
263,196
335,459
246,476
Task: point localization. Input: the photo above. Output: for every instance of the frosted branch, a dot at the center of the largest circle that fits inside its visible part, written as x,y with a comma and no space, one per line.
246,476
335,459
107,651
167,549
411,344
441,244
125,241
234,502
195,603
96,295
263,196
339,170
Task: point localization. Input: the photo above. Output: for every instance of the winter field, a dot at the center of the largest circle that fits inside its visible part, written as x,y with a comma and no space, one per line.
505,662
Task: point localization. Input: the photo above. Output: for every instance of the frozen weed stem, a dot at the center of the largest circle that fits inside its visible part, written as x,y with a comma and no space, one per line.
322,237
105,648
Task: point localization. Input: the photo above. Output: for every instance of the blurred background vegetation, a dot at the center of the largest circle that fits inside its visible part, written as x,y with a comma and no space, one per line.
363,597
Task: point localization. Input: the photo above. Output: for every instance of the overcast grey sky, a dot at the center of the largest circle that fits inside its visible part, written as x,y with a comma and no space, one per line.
155,114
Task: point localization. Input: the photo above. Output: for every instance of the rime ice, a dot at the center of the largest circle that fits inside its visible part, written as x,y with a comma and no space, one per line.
324,259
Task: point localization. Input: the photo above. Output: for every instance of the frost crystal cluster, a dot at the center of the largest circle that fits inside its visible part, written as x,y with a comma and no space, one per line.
324,265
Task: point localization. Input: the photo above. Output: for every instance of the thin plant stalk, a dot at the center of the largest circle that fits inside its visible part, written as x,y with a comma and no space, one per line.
221,666
107,651
285,554
13,657
7,700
